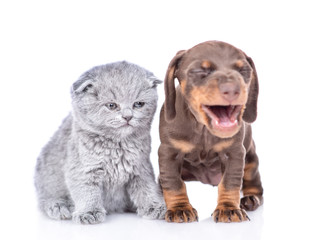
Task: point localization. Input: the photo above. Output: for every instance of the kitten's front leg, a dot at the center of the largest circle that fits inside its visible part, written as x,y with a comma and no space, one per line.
147,197
87,197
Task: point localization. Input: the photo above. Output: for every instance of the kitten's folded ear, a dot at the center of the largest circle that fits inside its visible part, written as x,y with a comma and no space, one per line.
154,81
83,85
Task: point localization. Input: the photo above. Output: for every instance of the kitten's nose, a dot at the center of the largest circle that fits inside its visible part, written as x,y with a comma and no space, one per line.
128,118
127,114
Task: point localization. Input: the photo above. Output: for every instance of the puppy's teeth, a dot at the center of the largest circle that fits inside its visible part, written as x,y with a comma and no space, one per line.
216,122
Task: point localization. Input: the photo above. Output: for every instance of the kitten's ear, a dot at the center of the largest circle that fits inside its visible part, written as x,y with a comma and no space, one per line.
154,81
83,85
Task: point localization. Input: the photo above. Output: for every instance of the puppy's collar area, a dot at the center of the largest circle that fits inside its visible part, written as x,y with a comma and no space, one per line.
223,117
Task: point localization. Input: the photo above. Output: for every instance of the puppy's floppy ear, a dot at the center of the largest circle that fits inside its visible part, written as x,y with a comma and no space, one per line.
170,94
250,112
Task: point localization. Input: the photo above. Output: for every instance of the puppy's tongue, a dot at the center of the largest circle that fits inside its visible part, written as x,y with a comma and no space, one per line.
223,116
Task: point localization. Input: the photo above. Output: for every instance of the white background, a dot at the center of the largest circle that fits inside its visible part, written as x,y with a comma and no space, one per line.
46,45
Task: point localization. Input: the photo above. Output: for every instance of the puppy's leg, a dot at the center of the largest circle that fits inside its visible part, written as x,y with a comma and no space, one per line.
252,187
228,206
178,207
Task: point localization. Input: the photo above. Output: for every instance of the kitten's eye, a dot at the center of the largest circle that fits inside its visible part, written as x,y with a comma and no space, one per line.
138,104
111,106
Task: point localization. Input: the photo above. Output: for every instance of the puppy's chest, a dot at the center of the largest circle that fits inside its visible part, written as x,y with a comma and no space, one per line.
110,161
207,151
203,163
202,156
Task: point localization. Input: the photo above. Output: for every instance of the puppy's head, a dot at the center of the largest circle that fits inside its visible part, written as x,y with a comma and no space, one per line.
219,83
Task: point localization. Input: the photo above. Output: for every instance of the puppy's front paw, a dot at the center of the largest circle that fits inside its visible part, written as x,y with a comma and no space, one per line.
229,215
90,217
251,202
181,214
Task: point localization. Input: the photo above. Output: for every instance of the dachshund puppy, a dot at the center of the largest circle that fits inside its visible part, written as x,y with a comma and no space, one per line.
206,134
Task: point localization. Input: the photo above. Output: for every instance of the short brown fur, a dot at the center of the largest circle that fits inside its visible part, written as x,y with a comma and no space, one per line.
239,63
182,145
219,147
193,147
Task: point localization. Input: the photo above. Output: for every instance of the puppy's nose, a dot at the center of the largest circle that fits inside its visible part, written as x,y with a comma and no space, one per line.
230,90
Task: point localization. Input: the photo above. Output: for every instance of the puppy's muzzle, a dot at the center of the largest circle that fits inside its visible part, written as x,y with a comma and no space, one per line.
229,89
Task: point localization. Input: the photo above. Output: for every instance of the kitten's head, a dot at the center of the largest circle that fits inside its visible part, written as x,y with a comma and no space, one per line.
116,100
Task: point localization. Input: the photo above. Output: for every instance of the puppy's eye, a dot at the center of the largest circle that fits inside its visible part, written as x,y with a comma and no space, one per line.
138,104
111,106
245,72
200,72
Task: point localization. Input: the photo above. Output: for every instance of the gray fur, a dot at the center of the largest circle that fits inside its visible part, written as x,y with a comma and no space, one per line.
94,165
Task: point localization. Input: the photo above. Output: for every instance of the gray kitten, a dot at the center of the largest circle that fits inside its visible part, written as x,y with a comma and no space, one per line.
98,160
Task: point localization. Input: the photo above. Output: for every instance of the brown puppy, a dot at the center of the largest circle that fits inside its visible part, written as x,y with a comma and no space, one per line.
206,134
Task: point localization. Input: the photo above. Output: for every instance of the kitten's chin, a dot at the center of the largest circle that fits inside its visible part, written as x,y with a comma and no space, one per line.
120,132
130,132
126,130
123,131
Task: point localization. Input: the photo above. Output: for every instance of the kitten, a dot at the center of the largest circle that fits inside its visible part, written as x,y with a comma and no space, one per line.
98,160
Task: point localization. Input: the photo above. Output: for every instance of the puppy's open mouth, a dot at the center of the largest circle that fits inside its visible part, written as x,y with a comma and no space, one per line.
223,117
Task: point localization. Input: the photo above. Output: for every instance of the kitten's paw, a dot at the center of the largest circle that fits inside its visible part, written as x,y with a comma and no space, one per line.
90,217
156,211
58,210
